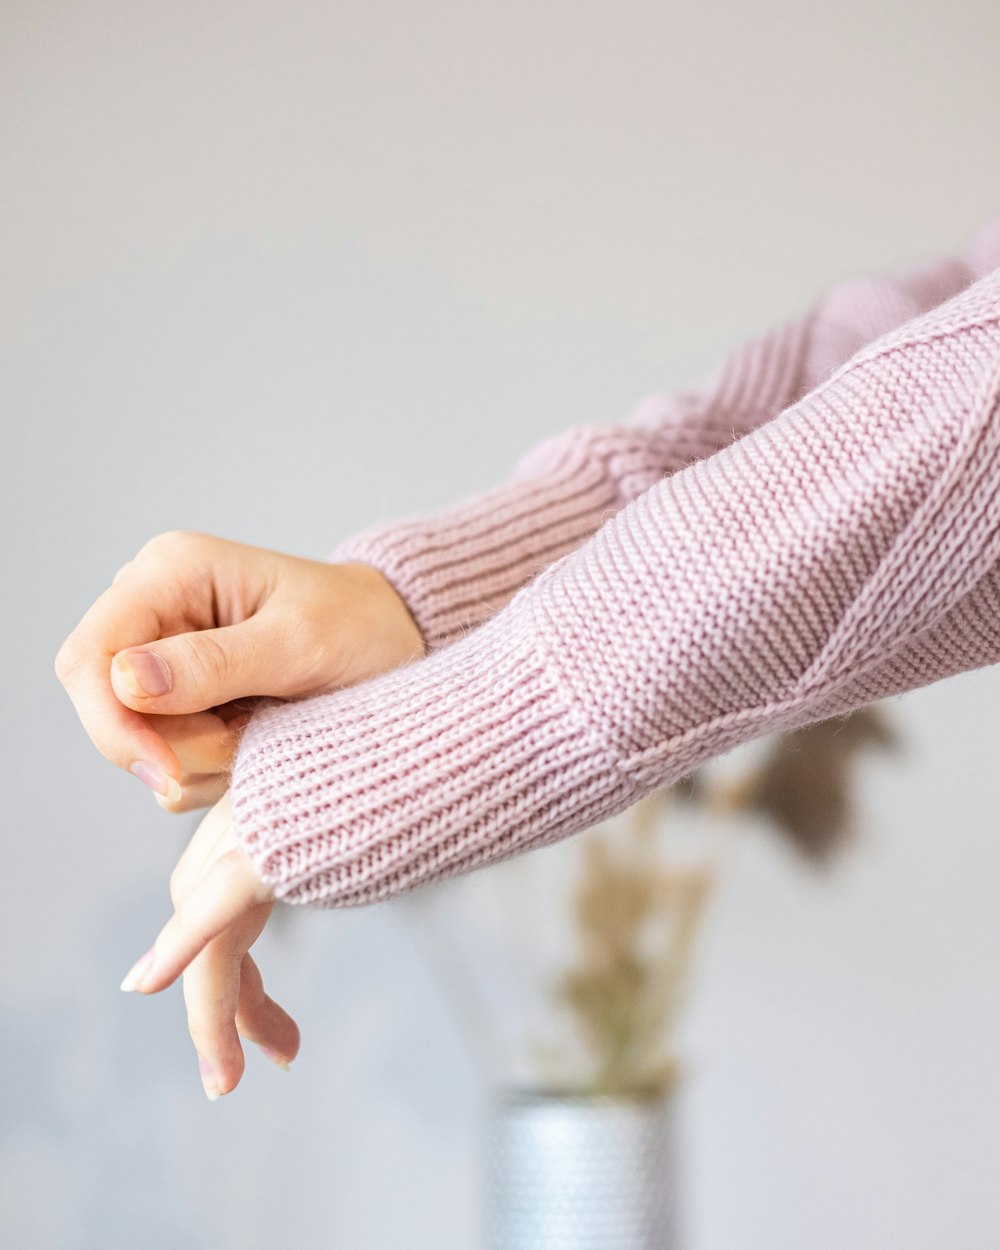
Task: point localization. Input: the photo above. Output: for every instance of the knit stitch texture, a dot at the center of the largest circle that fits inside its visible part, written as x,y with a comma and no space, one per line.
815,529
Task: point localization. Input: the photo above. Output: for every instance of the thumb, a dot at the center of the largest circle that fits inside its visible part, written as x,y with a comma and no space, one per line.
203,669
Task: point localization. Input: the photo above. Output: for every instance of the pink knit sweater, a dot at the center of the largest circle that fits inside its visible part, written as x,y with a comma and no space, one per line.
816,528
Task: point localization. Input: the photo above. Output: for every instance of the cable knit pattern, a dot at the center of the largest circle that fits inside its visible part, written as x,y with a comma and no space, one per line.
456,567
844,551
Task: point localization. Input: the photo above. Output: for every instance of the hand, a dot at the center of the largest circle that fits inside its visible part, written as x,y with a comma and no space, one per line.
157,667
221,908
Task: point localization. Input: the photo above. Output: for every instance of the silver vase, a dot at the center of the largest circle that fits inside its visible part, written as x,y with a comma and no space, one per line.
580,1172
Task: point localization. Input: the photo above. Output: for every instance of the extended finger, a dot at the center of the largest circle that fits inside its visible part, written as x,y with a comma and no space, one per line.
211,995
227,892
261,1020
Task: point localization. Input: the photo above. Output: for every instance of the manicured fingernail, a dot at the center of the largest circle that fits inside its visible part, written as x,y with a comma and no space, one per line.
154,777
138,971
207,1074
144,673
280,1060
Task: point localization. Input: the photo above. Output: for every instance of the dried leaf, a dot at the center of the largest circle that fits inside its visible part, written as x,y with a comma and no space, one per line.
804,783
636,922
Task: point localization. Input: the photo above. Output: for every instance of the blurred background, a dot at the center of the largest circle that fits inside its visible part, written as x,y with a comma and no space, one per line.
277,271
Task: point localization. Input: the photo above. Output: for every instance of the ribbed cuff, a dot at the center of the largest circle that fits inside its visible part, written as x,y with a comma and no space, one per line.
466,757
456,568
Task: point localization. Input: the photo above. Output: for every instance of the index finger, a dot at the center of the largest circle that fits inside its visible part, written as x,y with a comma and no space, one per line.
132,611
228,893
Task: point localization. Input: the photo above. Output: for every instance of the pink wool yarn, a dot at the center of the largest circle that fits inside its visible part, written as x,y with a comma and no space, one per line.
816,528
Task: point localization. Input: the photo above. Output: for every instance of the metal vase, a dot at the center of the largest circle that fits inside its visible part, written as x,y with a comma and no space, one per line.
580,1172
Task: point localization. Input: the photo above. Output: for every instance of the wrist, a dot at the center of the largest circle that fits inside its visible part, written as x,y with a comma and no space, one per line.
390,614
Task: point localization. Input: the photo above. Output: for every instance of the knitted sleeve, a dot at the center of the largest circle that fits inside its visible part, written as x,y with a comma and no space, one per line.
845,551
455,567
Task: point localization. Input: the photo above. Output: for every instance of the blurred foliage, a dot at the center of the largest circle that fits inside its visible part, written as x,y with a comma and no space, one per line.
637,915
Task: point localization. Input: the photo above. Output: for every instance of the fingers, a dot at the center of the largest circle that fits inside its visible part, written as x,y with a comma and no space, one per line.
261,1020
123,736
225,1000
142,604
228,892
205,744
221,908
211,995
180,584
195,793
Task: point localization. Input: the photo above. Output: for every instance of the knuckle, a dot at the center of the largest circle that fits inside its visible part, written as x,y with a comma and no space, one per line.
69,659
202,658
170,543
158,543
180,885
238,879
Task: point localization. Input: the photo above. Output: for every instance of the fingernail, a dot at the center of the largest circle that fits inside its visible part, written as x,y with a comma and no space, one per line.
137,972
144,673
154,777
276,1058
207,1074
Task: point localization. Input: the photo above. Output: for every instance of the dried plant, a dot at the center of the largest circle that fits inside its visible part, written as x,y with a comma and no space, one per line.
804,783
636,920
637,916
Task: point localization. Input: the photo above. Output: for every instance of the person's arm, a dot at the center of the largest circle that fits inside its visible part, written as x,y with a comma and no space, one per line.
161,667
842,552
457,566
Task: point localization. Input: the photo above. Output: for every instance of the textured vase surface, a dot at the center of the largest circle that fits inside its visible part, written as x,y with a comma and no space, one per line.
580,1172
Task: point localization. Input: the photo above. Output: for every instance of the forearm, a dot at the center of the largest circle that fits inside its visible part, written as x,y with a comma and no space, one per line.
842,553
456,567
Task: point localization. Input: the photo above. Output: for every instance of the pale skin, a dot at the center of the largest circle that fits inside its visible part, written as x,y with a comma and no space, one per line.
222,621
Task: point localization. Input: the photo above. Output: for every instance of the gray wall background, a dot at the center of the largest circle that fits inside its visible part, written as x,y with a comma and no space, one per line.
275,271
